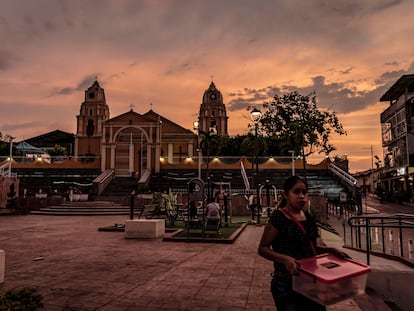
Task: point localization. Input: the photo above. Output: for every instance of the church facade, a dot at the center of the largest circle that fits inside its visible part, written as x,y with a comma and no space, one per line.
132,144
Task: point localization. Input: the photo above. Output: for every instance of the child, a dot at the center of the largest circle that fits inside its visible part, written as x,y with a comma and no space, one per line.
283,242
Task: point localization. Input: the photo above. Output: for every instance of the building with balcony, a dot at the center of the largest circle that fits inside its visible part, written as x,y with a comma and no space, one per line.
397,131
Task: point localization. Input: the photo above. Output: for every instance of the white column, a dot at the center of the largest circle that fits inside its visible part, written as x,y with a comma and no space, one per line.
103,157
113,156
131,156
190,149
170,153
157,158
158,148
149,155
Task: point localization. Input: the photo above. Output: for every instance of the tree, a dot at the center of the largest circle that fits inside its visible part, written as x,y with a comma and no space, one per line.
297,121
58,150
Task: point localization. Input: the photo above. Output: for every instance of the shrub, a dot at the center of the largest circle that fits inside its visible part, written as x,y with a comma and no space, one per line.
26,299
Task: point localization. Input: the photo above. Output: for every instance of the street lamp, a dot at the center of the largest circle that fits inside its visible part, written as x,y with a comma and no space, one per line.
256,115
212,131
195,127
292,152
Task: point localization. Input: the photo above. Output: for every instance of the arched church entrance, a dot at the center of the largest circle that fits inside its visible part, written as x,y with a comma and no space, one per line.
131,158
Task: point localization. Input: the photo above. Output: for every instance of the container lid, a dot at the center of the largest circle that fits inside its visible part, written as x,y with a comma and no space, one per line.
329,268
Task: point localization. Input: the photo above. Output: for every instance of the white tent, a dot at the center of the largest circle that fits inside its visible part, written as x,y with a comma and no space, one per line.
26,148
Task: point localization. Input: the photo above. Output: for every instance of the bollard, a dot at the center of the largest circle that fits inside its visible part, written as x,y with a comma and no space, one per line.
376,236
131,209
399,246
410,249
2,265
392,242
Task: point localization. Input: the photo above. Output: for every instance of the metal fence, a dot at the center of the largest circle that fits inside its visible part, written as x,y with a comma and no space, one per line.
391,235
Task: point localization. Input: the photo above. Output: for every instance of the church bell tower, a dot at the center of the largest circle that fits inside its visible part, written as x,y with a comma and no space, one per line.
93,112
212,115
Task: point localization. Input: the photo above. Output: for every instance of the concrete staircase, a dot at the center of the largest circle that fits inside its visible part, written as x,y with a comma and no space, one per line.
101,208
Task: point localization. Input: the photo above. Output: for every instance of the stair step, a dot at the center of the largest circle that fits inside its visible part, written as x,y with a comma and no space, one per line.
85,208
74,213
371,301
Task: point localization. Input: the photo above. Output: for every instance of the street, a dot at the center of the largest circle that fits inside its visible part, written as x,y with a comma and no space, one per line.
387,208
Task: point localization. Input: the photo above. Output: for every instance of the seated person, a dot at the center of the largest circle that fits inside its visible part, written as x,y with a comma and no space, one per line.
213,213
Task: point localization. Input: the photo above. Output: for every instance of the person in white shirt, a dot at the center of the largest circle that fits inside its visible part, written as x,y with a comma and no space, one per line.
213,211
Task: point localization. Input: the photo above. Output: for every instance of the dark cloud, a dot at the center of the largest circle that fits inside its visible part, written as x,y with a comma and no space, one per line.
393,63
82,86
347,71
385,5
87,81
178,68
341,97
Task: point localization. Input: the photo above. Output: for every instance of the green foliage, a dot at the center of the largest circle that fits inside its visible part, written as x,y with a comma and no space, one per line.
26,299
58,150
5,149
298,122
244,145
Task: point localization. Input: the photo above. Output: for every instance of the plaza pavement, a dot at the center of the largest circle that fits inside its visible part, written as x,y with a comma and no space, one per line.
76,267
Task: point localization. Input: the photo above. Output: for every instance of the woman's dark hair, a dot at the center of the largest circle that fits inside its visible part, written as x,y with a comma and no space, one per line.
289,184
292,181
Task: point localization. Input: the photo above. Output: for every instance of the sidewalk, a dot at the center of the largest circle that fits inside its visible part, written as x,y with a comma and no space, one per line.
76,267
83,269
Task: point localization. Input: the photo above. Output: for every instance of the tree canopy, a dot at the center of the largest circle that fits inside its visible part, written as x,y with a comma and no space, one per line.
298,122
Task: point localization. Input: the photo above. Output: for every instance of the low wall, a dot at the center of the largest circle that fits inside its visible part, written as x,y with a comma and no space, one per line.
144,228
393,286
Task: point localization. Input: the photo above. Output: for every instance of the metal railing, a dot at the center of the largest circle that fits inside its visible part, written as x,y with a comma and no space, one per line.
391,236
345,176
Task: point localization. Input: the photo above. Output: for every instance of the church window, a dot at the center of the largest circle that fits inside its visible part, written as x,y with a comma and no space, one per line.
90,128
90,111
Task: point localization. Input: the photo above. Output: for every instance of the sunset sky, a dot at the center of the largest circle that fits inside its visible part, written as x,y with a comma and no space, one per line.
166,52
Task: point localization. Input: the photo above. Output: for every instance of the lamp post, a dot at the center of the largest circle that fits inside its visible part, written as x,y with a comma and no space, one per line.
199,156
212,131
256,115
292,152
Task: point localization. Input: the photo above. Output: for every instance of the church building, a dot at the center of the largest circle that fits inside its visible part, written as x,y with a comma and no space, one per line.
132,144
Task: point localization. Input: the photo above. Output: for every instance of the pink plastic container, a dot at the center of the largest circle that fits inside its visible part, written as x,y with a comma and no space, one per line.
328,279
